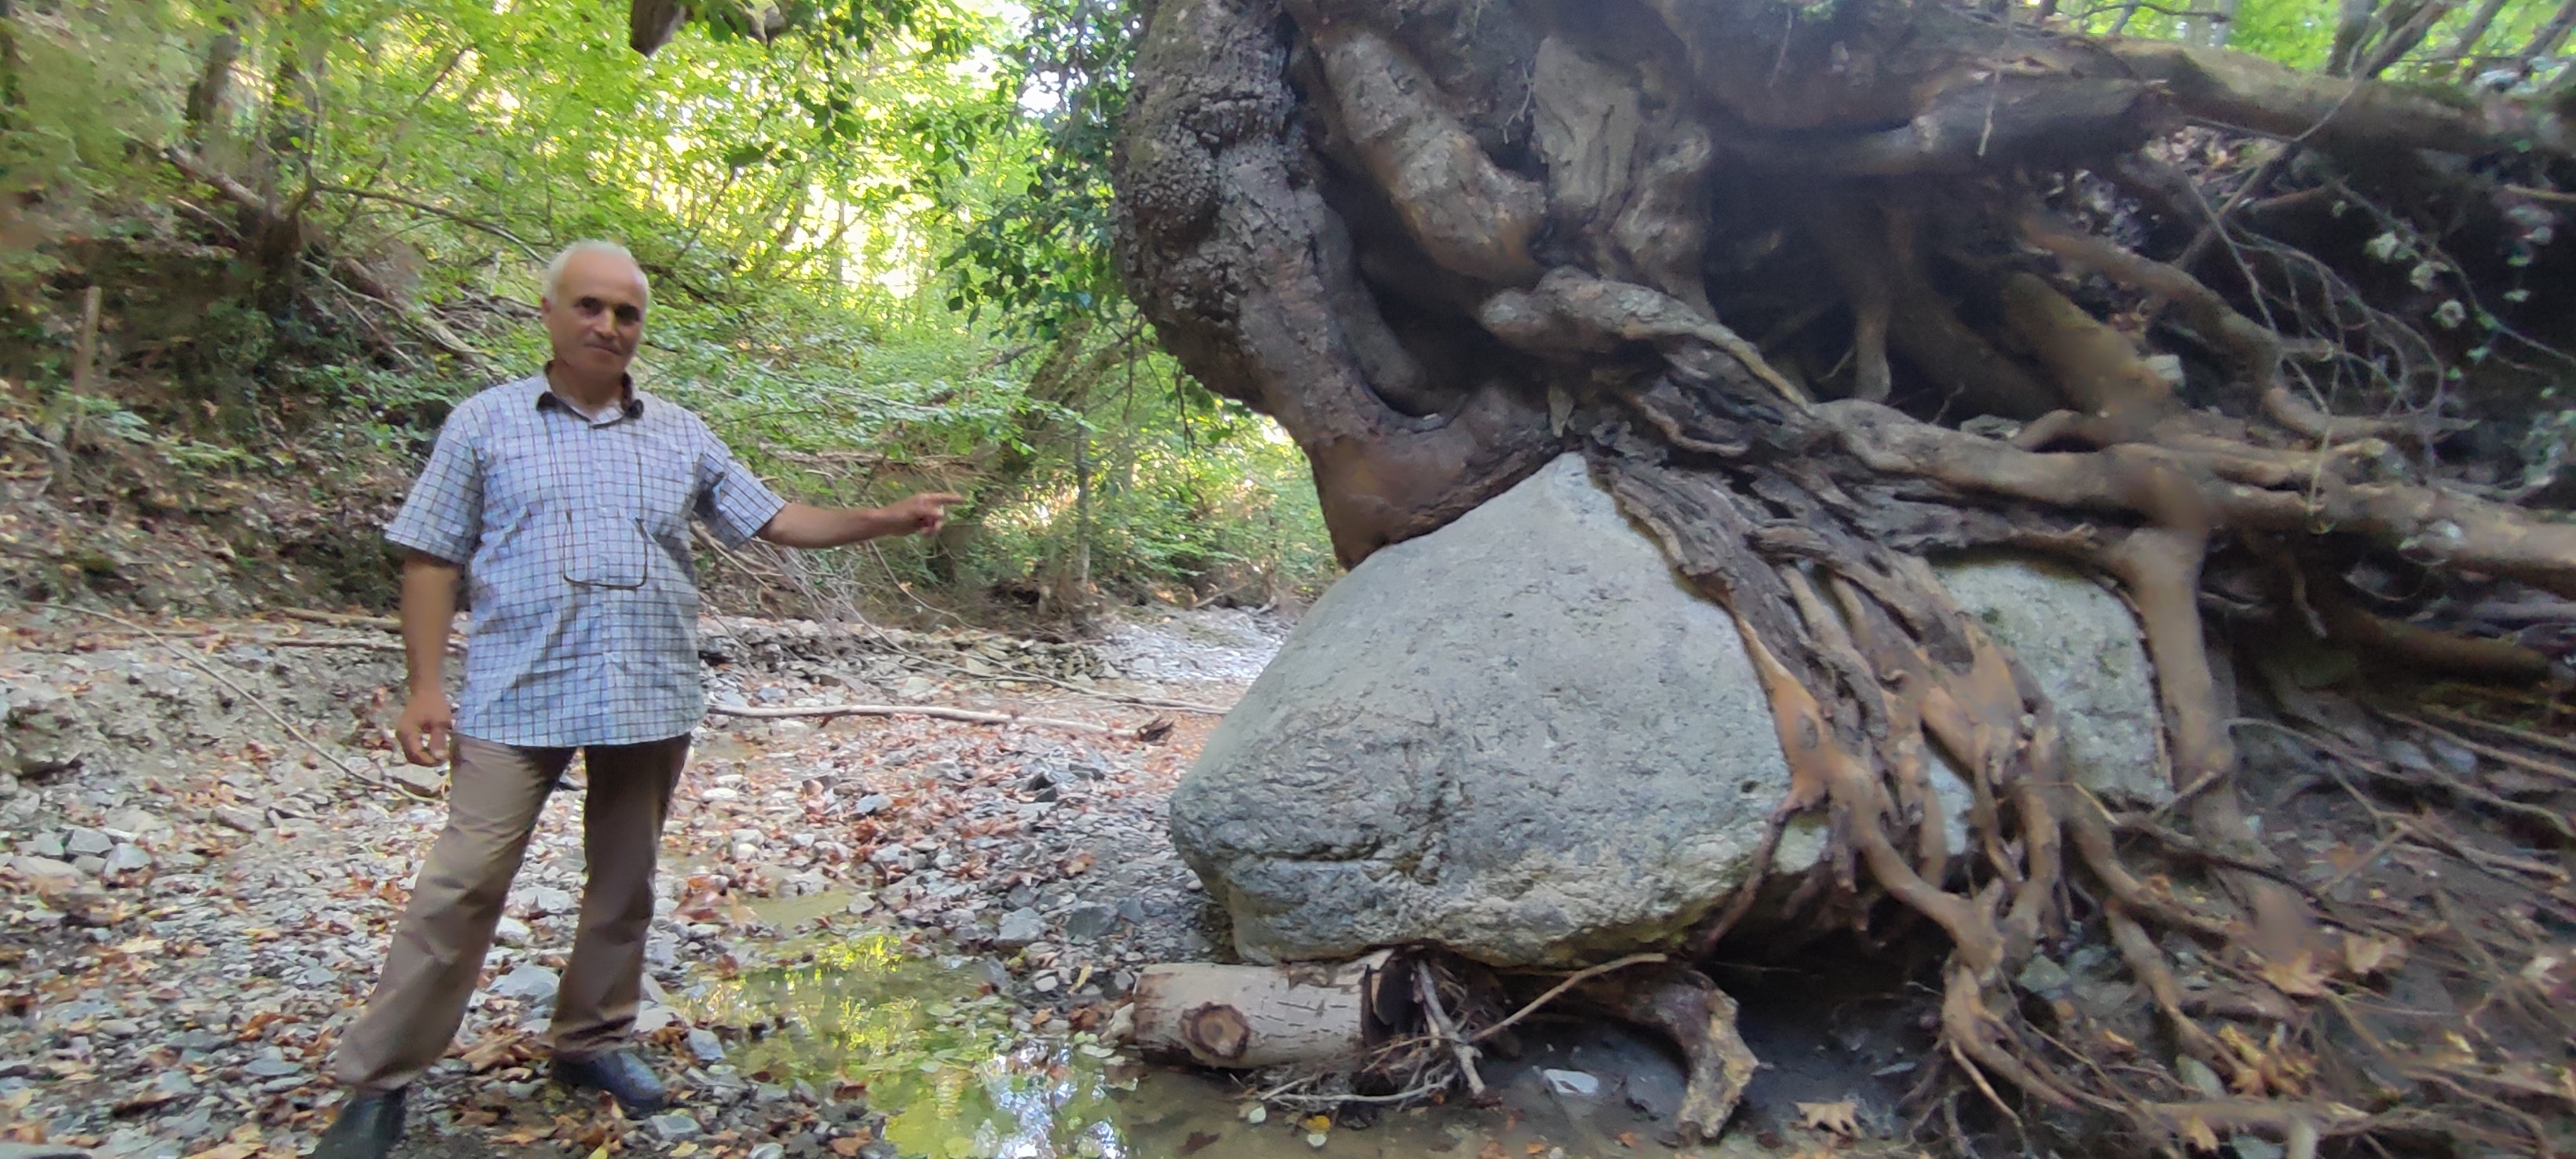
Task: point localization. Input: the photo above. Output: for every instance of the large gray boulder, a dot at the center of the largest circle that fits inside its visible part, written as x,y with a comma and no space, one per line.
1523,738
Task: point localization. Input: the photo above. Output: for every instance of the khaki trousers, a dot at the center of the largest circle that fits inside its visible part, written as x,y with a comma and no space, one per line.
495,795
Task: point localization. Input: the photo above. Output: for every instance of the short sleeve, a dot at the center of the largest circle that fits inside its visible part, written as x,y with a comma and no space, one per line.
731,501
444,515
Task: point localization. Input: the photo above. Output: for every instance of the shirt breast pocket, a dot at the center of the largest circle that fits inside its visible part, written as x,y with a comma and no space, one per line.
602,548
638,510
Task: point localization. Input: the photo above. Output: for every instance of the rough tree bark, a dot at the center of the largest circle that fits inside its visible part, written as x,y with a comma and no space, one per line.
1443,241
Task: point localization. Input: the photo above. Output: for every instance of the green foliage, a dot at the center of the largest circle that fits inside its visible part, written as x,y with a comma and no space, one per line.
1037,243
865,220
878,230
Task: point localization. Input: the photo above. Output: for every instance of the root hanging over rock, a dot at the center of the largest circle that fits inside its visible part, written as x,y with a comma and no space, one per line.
2041,332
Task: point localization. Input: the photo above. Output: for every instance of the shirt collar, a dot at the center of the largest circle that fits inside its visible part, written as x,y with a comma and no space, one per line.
632,407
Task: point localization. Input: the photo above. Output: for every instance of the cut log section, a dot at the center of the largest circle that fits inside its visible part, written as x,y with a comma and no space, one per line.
1247,1017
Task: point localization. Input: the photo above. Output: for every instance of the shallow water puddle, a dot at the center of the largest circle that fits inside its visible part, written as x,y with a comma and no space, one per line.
960,1083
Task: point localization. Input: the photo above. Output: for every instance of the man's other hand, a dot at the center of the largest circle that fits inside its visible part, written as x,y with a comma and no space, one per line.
426,729
925,512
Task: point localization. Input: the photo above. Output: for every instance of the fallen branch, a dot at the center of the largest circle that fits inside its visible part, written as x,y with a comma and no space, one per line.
391,646
1428,988
191,660
968,715
341,619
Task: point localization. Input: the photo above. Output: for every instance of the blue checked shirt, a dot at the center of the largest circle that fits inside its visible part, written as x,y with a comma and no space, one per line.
575,534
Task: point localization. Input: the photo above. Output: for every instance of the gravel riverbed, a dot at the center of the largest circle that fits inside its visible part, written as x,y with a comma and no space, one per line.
206,841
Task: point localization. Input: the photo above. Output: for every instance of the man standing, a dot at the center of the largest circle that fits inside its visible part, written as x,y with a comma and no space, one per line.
566,497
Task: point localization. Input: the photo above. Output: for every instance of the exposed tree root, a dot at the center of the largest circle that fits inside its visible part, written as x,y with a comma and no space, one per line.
1529,177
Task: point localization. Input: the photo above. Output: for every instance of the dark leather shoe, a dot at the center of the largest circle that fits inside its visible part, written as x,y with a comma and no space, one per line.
619,1072
368,1126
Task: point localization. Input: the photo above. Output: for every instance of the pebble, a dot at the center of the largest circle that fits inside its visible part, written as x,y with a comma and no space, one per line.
88,843
135,823
1572,1083
1019,928
704,1044
511,932
547,900
1089,921
270,1064
45,845
674,1126
237,817
426,782
530,984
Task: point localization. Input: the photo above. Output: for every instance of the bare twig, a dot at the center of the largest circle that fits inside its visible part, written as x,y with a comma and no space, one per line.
2526,736
2491,862
464,219
2364,861
2517,760
1571,981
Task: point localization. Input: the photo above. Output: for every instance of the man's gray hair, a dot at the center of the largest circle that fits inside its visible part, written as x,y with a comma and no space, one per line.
555,268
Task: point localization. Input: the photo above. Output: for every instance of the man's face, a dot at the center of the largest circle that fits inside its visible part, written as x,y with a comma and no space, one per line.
597,315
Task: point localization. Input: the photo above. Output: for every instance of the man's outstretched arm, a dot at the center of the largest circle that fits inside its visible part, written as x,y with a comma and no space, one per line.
798,525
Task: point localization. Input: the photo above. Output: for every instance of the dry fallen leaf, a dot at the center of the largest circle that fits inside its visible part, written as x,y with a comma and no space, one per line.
1628,1139
847,1145
2298,977
1840,1118
2367,956
2198,1135
1491,1150
493,1051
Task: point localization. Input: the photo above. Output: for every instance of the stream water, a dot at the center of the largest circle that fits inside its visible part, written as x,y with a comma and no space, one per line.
960,1083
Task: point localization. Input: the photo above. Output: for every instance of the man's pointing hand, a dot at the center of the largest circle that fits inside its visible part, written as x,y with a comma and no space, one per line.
925,512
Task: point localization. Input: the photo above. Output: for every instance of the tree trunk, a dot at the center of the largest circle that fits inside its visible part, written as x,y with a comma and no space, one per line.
211,93
1444,241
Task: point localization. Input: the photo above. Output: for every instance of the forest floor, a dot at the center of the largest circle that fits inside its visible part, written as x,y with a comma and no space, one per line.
878,936
903,936
195,899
